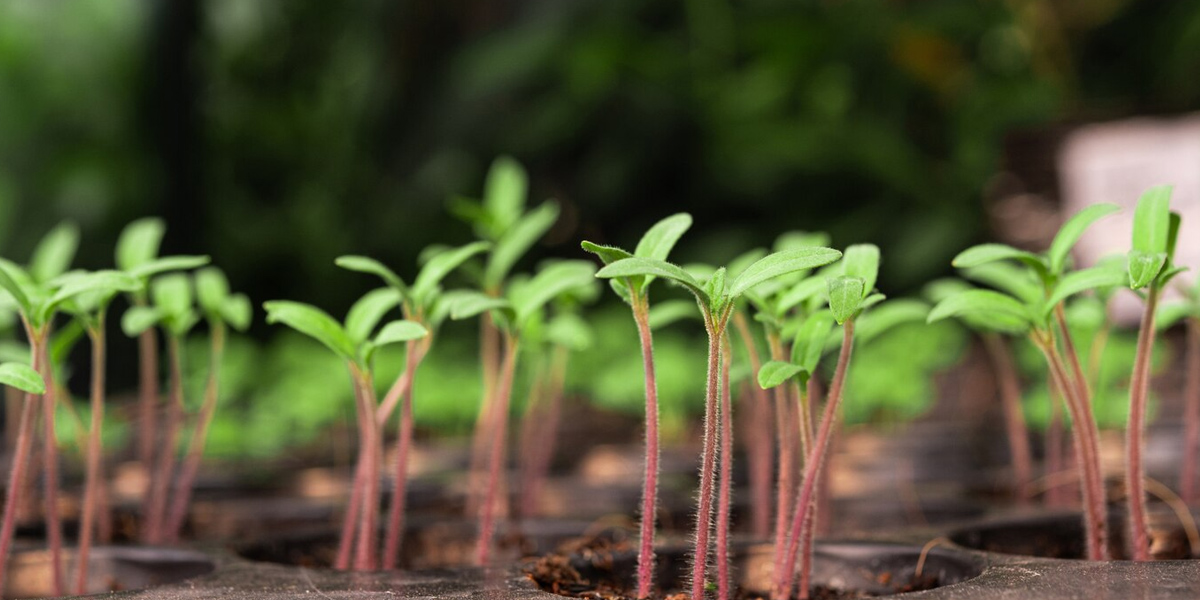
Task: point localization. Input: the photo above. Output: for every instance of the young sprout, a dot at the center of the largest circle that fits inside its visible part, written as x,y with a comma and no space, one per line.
850,293
221,310
25,379
426,305
717,299
1188,311
137,254
1042,318
38,295
656,244
90,308
513,314
565,332
353,342
1151,267
993,334
499,218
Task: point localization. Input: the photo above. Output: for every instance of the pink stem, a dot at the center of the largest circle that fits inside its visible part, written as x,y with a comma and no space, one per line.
724,493
542,452
159,485
801,539
24,444
704,512
147,397
346,541
759,446
1135,469
1014,417
395,532
496,462
532,436
50,466
1191,414
785,435
365,550
489,359
645,568
94,455
191,463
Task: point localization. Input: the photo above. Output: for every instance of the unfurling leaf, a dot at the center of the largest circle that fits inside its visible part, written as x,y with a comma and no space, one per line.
1152,221
1144,267
845,297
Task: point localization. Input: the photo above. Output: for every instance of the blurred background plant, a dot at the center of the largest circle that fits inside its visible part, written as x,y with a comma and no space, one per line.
274,135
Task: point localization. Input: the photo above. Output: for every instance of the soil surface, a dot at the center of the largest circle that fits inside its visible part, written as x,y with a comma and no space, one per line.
610,578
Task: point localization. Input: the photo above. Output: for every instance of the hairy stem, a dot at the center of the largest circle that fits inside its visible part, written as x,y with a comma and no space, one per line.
16,475
1014,417
724,493
803,516
365,548
758,446
1087,455
160,483
704,512
487,508
645,568
1191,413
1056,460
147,397
95,452
414,352
786,449
182,496
350,519
1135,443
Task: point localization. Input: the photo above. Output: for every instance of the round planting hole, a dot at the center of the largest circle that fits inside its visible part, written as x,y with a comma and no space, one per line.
1061,535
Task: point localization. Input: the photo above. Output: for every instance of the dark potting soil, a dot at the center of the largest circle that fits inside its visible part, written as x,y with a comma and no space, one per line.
606,580
1062,537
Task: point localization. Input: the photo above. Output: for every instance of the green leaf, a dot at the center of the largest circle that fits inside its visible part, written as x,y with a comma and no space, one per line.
504,193
1071,231
1152,221
743,260
516,241
140,318
570,331
15,281
662,236
776,372
212,289
104,283
845,297
366,264
1010,278
1170,314
781,263
400,331
63,340
981,303
313,322
1176,221
439,266
366,313
986,253
552,281
237,312
862,261
607,254
888,316
1081,281
809,342
791,240
715,286
636,266
139,242
54,253
173,294
1166,275
1144,267
471,304
665,313
22,377
168,263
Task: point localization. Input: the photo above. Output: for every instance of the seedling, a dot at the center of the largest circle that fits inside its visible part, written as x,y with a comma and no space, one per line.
28,380
353,342
656,244
1007,379
850,293
1151,267
499,218
1042,318
512,314
1188,311
221,310
426,305
137,253
717,299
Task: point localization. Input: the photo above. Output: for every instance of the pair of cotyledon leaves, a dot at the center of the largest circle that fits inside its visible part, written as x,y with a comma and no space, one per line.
1027,300
352,339
173,304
